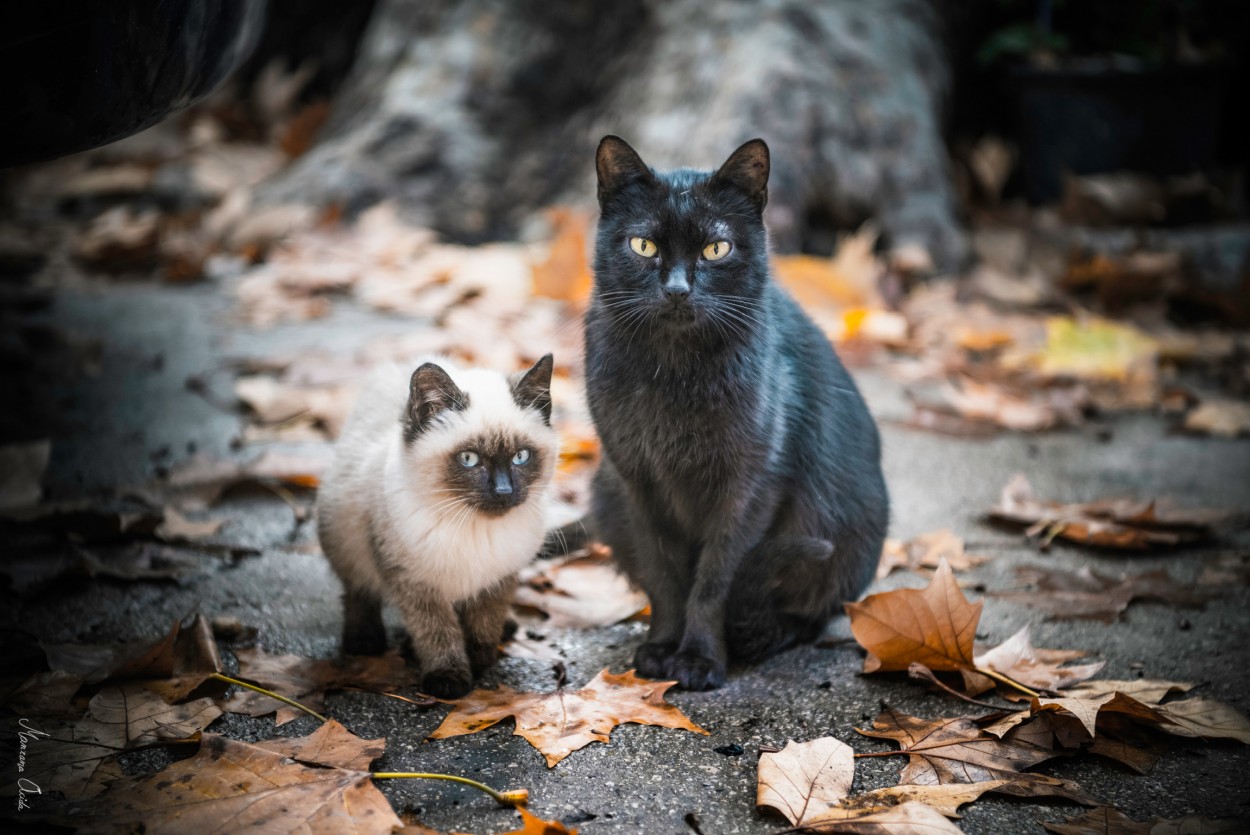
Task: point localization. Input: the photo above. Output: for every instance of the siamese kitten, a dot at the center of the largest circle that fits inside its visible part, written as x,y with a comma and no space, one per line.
740,484
437,496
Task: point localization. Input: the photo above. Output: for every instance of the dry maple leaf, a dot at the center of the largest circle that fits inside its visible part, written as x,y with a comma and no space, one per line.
583,591
247,786
1107,523
943,751
306,680
1108,821
804,779
926,551
559,723
330,745
1088,594
934,626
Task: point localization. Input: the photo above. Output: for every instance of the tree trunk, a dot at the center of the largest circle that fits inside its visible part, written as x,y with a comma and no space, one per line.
476,113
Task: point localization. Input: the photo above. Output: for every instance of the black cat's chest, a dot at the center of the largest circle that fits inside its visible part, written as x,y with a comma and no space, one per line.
695,429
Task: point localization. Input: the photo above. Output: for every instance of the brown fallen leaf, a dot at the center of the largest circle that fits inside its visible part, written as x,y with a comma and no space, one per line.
582,591
804,779
943,798
1107,523
330,745
944,751
176,527
176,664
201,481
252,788
565,271
1040,669
120,240
809,782
906,818
1146,690
1223,418
531,824
1107,821
1087,594
306,680
559,723
935,626
76,757
1022,408
927,551
1205,718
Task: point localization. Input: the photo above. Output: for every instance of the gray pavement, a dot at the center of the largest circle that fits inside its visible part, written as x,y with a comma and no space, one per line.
136,416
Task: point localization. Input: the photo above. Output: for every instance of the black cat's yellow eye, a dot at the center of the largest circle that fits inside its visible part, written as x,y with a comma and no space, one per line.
643,247
717,250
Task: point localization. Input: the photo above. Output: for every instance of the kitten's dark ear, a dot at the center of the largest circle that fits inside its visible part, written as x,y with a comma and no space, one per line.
431,392
747,169
533,389
618,165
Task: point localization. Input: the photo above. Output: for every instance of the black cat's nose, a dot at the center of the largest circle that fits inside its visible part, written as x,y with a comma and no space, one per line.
676,285
503,483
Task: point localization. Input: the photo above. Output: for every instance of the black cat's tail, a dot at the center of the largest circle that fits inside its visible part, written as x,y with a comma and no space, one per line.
566,539
756,626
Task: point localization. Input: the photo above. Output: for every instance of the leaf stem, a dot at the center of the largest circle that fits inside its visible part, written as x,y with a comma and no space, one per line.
999,677
511,799
269,693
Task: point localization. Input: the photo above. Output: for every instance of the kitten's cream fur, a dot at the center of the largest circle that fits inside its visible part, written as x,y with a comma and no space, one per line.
395,533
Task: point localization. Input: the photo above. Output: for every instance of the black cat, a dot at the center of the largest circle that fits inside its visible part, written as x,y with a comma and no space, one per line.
741,482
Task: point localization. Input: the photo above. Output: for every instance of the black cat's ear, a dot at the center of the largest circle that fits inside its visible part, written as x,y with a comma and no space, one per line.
618,165
533,389
431,392
747,169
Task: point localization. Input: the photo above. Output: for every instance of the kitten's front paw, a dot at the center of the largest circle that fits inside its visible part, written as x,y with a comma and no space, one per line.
696,672
448,683
364,642
654,660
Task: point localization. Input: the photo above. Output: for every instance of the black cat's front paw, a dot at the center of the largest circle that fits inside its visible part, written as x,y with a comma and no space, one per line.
694,671
654,660
447,683
482,657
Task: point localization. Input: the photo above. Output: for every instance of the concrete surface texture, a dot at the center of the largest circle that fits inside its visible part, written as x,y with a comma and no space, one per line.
137,414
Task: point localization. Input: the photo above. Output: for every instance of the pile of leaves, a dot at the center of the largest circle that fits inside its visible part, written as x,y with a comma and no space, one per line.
96,703
953,761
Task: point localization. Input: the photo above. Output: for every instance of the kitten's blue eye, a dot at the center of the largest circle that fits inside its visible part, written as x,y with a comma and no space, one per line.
468,459
521,457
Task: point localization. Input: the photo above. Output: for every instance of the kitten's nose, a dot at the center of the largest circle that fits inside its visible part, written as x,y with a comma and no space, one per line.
503,483
676,285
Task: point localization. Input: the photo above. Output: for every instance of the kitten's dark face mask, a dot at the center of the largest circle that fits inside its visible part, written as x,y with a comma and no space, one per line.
685,250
